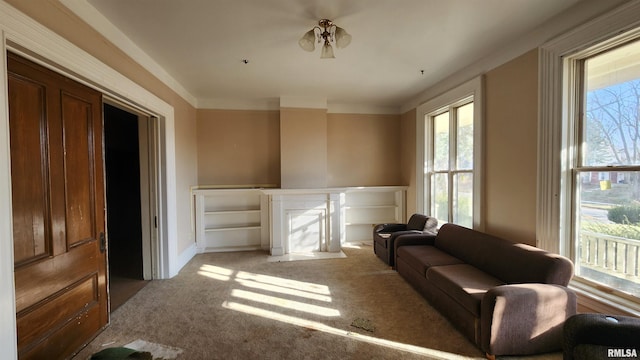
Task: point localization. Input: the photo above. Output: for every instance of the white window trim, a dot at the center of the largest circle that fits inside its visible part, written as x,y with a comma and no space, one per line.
554,209
472,88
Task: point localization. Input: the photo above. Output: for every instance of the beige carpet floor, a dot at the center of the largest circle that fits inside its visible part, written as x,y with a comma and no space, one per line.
241,306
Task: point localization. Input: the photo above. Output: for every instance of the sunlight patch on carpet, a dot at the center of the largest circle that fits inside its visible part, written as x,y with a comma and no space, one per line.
157,350
318,326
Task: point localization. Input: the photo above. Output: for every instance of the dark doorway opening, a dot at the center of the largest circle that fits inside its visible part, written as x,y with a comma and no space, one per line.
124,209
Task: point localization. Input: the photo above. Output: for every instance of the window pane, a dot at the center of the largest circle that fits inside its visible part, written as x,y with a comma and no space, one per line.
612,125
463,199
440,197
464,151
608,246
441,142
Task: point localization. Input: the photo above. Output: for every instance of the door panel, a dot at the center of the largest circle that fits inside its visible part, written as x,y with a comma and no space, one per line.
58,205
28,141
57,310
78,166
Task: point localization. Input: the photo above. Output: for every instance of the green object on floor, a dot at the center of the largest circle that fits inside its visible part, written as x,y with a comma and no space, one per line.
121,353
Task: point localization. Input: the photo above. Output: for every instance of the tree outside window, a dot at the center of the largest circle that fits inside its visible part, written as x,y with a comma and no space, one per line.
608,171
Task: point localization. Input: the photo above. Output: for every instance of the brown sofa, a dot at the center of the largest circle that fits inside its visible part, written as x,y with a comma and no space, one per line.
508,298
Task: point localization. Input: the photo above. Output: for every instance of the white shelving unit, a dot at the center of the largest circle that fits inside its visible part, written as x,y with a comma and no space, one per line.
367,206
231,220
239,219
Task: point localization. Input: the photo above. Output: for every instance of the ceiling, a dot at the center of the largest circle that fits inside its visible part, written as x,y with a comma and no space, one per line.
399,48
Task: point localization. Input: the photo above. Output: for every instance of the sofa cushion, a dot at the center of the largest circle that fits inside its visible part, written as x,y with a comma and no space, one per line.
416,222
422,257
511,262
464,283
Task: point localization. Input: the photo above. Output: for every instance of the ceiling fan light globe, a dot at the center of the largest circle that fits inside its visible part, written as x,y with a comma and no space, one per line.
327,51
307,42
343,39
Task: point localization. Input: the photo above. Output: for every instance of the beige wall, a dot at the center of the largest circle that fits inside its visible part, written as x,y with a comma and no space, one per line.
59,19
303,148
510,150
363,150
243,147
238,147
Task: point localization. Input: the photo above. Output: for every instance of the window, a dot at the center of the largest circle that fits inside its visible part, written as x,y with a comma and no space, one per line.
449,157
587,152
449,171
605,189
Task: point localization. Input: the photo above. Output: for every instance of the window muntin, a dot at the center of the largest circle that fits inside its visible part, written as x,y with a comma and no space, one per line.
606,181
449,170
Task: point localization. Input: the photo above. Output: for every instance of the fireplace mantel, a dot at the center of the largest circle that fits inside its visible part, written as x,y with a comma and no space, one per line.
305,220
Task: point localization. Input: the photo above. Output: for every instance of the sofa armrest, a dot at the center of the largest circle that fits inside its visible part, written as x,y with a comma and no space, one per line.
389,227
525,318
414,238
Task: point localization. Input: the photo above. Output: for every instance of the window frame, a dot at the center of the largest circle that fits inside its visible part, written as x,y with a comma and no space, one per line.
559,104
470,91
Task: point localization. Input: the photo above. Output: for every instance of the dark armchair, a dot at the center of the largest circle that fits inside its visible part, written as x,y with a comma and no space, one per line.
384,235
598,336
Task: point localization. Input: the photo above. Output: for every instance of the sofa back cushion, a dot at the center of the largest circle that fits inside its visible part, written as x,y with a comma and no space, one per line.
416,222
511,262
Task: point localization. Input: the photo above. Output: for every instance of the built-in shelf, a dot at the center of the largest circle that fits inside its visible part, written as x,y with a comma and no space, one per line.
231,220
240,219
255,227
367,206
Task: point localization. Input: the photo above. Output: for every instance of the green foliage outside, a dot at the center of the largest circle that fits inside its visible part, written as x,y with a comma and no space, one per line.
626,231
624,214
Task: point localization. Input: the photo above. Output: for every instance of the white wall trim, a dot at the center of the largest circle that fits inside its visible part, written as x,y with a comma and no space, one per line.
186,255
8,336
24,35
475,88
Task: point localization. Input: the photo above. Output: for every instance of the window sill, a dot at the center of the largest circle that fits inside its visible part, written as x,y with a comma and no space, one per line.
591,299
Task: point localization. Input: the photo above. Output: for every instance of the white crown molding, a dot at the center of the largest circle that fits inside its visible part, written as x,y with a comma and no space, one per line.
101,24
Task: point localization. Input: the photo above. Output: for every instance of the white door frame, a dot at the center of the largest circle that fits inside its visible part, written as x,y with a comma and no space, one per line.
25,36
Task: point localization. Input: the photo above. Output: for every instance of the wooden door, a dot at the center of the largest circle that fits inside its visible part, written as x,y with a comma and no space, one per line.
58,211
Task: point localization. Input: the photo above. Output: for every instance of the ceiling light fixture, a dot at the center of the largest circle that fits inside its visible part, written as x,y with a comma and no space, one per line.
328,32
